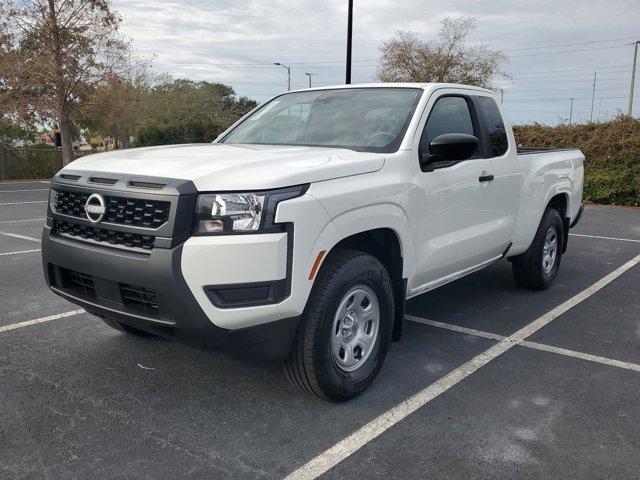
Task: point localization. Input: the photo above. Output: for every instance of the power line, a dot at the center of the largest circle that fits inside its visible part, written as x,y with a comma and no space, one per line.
570,44
564,99
567,51
373,62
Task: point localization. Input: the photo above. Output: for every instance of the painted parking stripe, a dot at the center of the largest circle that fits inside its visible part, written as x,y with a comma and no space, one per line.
28,182
26,190
19,252
581,355
22,203
22,237
605,238
455,328
348,446
535,345
5,222
36,321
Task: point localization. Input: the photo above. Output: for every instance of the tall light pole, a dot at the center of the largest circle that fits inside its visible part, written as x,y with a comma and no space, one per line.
288,74
633,77
593,95
349,37
309,75
571,111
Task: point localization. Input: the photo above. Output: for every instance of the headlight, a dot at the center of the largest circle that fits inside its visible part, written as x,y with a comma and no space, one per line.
219,213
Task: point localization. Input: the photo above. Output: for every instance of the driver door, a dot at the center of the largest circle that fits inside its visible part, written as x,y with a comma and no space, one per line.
454,214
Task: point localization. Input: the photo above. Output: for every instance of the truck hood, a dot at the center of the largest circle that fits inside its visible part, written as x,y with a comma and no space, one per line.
217,166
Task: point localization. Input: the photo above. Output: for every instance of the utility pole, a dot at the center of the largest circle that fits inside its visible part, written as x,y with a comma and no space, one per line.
571,111
309,75
593,95
633,77
288,74
349,37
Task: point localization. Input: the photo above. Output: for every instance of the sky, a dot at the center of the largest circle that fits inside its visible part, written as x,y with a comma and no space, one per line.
554,47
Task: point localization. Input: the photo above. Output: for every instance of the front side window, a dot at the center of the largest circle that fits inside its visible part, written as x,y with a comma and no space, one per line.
494,123
362,119
448,115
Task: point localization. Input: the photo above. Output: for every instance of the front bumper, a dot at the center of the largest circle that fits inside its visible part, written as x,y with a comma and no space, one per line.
149,291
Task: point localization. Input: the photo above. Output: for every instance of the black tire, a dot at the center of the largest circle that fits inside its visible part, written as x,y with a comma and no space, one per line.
122,327
528,270
311,366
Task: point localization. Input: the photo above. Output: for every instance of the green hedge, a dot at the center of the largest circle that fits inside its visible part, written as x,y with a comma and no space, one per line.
31,163
24,163
611,149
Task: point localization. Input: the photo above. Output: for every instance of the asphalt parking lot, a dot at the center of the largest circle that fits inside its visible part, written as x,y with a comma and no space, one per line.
489,381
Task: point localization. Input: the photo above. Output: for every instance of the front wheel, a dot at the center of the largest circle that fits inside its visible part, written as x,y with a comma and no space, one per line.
540,264
345,330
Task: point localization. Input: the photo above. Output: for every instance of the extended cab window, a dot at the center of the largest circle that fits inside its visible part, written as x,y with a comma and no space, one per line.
498,141
363,119
448,115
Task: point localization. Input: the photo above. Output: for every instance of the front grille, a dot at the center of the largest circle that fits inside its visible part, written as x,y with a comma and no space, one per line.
77,282
140,298
119,210
132,240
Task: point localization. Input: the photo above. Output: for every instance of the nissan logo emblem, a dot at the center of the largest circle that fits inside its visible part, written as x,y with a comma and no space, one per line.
95,208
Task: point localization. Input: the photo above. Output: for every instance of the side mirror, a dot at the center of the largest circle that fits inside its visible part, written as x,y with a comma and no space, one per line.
448,149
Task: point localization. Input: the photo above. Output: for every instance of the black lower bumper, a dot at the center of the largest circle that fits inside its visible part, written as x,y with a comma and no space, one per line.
148,292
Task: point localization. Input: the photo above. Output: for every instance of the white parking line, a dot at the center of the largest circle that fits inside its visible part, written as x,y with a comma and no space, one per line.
345,448
26,190
535,345
22,237
4,222
36,321
455,328
21,251
21,203
605,238
581,355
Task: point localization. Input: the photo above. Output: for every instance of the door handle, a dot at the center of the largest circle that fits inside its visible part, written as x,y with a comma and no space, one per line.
485,178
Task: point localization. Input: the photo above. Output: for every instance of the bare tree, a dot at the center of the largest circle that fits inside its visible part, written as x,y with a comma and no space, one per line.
54,55
406,58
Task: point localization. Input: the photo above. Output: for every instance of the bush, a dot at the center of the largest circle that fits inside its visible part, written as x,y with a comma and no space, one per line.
187,132
612,152
31,162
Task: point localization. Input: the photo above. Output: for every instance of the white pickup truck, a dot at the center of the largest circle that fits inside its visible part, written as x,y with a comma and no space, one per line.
302,230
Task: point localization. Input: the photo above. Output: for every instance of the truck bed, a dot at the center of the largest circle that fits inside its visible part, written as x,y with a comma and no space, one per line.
530,151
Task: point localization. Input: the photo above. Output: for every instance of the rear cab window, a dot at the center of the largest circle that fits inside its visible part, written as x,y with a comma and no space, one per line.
494,126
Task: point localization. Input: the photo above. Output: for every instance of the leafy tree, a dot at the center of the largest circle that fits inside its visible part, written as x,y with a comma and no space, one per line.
115,108
11,131
184,111
54,56
406,58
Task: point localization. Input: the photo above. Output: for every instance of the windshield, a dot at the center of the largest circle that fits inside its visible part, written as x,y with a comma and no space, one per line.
363,119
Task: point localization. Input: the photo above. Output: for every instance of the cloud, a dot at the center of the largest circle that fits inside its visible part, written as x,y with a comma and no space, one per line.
236,42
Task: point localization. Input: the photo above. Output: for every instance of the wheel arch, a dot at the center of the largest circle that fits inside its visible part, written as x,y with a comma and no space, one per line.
383,243
560,202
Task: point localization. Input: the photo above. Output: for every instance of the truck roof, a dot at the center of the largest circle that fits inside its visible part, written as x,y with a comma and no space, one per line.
424,86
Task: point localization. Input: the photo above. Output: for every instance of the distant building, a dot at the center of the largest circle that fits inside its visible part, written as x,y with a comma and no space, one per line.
47,139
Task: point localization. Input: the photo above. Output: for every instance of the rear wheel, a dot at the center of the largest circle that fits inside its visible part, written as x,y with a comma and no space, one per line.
345,330
538,267
123,327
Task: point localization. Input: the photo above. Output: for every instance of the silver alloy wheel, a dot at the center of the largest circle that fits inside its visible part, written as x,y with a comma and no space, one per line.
355,328
550,250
